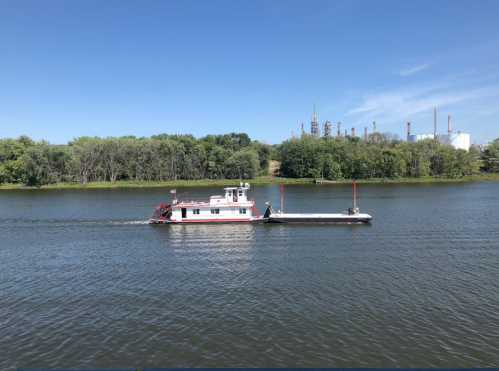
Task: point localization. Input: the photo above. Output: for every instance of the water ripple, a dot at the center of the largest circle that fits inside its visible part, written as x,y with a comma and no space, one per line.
416,288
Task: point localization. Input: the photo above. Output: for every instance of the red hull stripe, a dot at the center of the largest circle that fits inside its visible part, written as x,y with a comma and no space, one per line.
224,207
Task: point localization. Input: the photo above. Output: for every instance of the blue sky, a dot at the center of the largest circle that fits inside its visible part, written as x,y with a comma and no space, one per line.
121,67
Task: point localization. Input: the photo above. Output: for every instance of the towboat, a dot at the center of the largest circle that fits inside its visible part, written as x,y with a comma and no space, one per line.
233,207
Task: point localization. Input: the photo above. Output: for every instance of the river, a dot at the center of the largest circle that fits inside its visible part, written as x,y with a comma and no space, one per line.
85,282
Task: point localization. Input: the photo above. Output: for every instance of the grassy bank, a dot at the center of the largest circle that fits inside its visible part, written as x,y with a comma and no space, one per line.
467,178
180,183
267,179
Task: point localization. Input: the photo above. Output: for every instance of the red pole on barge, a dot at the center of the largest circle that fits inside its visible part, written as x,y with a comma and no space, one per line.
282,198
354,195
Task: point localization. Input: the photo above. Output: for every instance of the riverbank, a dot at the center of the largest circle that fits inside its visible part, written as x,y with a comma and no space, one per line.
267,179
432,179
179,183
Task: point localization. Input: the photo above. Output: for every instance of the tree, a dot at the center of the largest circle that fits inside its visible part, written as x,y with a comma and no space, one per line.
36,164
218,163
85,154
264,154
330,170
112,160
491,157
46,163
12,166
244,164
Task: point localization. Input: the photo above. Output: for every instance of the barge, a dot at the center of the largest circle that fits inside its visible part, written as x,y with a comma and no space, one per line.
347,217
352,216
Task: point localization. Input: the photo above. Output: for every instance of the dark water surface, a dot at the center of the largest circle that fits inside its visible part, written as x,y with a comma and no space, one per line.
85,282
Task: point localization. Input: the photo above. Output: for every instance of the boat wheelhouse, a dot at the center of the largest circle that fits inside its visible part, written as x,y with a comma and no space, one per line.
233,207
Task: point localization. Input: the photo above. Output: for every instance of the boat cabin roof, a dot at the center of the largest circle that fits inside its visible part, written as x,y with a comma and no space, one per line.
246,187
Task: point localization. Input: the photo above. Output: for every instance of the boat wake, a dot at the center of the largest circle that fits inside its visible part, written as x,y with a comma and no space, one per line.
129,222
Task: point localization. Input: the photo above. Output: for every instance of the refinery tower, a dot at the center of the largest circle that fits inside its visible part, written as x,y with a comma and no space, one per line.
314,124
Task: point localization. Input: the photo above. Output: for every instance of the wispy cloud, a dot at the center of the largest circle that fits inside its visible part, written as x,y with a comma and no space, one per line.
398,105
414,69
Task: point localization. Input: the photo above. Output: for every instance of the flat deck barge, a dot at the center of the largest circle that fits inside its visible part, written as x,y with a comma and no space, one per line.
344,218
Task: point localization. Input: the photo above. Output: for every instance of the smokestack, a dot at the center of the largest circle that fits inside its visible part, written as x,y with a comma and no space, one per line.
346,132
365,133
353,132
450,131
339,129
408,128
302,129
374,124
435,135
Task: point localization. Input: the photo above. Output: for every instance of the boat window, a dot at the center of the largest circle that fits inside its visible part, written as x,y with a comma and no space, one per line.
195,211
215,211
240,193
242,211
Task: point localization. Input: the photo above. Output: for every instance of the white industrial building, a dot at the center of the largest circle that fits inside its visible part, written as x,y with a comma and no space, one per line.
415,138
459,140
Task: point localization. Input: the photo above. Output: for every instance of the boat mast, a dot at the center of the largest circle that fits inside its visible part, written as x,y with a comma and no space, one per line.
282,198
354,195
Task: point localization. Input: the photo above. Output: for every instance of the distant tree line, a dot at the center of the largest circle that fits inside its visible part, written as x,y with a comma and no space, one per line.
380,156
234,156
160,157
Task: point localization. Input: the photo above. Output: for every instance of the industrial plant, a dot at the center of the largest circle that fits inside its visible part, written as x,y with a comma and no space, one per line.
458,140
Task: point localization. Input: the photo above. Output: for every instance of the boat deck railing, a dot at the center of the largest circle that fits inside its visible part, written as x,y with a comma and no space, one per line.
193,200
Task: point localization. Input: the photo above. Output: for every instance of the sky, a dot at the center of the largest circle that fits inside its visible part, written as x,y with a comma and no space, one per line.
144,67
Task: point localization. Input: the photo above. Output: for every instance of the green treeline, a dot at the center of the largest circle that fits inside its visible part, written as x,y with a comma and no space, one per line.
378,157
233,156
162,157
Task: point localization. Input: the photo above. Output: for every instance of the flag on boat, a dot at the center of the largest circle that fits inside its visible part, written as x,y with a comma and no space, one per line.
173,191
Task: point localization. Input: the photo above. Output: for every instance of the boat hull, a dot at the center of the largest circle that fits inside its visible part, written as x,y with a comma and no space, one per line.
251,221
320,218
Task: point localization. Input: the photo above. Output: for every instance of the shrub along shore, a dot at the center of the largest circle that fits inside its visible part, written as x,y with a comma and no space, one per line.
255,181
183,160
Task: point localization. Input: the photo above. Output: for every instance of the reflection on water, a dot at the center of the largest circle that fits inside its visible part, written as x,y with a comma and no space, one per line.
229,244
87,283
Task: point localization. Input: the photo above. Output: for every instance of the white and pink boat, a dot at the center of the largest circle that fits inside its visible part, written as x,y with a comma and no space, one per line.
233,207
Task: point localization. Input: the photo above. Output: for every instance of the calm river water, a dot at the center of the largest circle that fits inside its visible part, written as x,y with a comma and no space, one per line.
85,282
